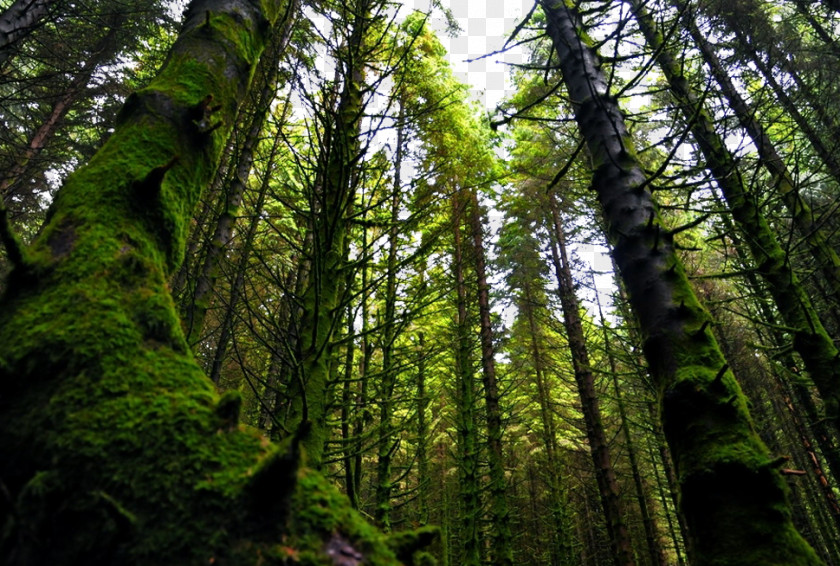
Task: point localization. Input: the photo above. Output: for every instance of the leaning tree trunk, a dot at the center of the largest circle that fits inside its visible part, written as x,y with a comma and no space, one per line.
17,173
205,285
782,180
810,339
114,447
733,496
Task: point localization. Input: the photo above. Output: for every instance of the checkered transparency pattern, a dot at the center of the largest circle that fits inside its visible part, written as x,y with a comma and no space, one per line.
474,53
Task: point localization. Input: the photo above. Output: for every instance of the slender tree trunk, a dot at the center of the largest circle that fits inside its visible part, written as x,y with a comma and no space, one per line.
423,478
562,536
655,553
19,172
389,335
501,537
801,214
466,419
665,498
732,491
810,338
363,414
622,546
205,284
228,319
331,205
347,402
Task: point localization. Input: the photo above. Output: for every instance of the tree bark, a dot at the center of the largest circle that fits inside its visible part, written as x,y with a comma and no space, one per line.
622,546
501,537
205,284
389,335
331,203
468,474
810,339
114,447
732,491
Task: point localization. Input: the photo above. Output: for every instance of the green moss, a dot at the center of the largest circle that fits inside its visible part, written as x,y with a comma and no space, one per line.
113,444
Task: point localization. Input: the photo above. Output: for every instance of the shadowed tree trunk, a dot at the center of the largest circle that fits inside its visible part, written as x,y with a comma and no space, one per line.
731,490
468,473
331,203
19,20
810,339
655,553
114,447
500,516
205,284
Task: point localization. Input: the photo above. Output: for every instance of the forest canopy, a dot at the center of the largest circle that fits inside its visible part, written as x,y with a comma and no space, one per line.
275,288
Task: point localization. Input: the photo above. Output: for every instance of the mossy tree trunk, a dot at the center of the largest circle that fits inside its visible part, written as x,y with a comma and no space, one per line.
205,284
731,490
803,218
331,203
114,447
468,473
810,339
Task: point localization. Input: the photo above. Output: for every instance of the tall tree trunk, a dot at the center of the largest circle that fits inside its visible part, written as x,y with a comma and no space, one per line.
810,339
801,214
469,489
238,284
205,284
501,537
331,203
18,172
731,489
562,537
622,546
347,402
655,553
423,478
389,335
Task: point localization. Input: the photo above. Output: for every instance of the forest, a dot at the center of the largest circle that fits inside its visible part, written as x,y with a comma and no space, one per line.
275,289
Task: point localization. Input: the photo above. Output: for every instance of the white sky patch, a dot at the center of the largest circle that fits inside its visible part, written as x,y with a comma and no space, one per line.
485,26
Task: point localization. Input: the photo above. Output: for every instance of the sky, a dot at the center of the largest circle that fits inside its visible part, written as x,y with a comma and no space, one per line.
484,28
